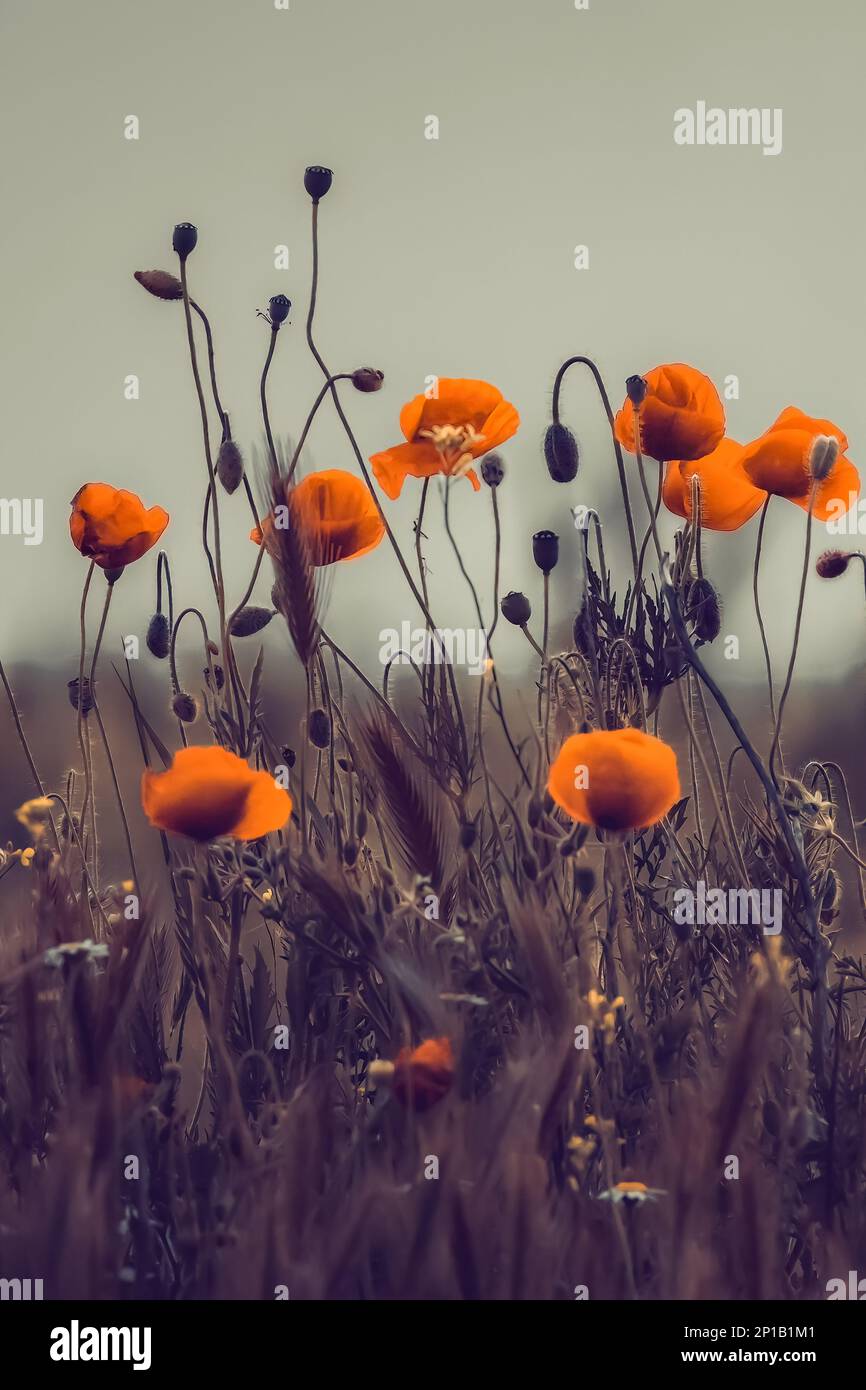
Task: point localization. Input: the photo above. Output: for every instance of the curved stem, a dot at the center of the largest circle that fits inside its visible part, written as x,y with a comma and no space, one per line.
794,646
764,643
605,400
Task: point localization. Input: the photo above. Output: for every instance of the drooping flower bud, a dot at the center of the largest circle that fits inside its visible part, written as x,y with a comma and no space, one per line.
319,728
704,611
158,637
160,284
87,698
184,239
250,620
367,379
545,550
493,469
185,707
230,466
833,563
516,608
561,453
822,456
317,181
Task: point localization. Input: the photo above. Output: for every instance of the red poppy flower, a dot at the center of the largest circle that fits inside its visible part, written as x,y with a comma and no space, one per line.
445,432
778,462
682,416
338,516
210,792
728,498
615,779
423,1075
112,526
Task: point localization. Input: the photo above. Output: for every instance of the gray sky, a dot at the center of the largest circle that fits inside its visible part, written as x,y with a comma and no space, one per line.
453,256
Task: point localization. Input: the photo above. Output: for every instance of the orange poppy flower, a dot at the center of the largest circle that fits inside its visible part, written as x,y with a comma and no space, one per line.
423,1075
728,498
112,526
338,516
210,792
445,432
615,779
778,462
682,416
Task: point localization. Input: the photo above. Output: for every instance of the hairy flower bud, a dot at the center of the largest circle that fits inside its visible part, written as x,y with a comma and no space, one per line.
250,620
704,611
185,707
367,379
833,563
822,456
158,637
87,698
230,466
160,283
560,453
516,608
319,728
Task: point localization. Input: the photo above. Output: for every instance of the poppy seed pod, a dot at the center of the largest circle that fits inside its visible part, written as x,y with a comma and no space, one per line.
545,550
636,389
113,573
230,466
160,284
317,181
704,611
560,453
278,308
158,637
288,756
249,620
823,454
493,469
367,379
516,608
184,706
219,676
184,239
319,728
833,563
87,700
